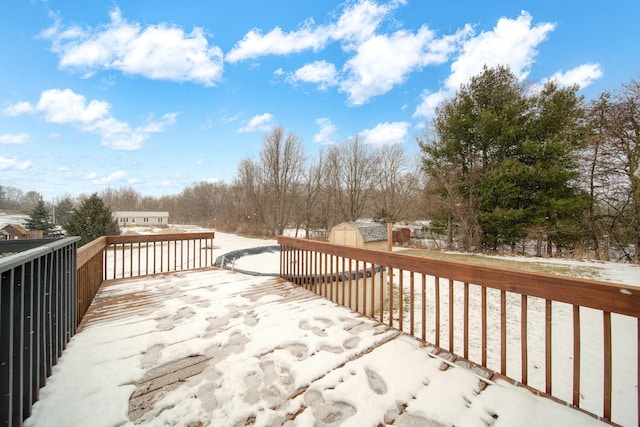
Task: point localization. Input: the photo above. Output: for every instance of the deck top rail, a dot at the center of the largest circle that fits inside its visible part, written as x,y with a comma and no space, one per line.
459,306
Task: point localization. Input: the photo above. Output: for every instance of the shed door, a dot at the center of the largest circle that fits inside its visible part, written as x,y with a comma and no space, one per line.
346,237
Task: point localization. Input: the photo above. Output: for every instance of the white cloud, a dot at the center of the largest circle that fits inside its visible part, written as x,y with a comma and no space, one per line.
18,109
113,177
158,125
11,163
430,101
118,135
6,162
371,73
64,106
211,180
160,52
277,42
230,119
17,138
512,43
582,75
260,123
326,133
322,73
360,21
386,133
355,24
24,165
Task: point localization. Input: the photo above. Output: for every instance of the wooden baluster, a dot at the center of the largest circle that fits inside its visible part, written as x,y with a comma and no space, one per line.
382,288
391,296
607,364
547,345
424,308
576,356
451,317
524,348
400,299
411,305
503,332
437,291
466,321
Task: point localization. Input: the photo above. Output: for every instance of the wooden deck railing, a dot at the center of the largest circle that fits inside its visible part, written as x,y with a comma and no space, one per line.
116,257
549,333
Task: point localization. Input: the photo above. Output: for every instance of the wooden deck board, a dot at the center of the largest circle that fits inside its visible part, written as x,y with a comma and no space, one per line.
190,328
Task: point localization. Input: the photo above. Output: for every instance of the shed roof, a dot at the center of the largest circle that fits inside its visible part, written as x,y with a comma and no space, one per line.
371,231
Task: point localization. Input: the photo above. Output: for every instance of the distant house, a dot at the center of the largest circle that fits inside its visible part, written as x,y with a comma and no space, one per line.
14,231
369,235
141,218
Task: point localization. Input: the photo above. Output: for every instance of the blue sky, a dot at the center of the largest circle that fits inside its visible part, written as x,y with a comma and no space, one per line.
160,95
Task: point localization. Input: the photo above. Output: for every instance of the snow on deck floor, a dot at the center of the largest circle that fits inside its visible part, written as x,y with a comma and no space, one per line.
226,349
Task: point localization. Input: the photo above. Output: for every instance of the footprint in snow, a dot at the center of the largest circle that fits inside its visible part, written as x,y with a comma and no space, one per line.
327,414
376,383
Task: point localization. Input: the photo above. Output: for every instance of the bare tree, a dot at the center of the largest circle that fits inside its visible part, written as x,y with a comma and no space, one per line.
391,164
122,199
250,189
615,154
270,186
352,171
411,192
308,211
283,160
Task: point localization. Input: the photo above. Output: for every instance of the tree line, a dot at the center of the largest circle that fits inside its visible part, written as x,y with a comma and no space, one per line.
511,164
503,165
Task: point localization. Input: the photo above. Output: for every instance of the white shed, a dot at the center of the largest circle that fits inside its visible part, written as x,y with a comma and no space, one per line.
141,218
368,235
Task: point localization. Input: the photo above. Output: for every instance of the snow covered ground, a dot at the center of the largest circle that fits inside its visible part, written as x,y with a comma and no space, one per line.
275,358
6,219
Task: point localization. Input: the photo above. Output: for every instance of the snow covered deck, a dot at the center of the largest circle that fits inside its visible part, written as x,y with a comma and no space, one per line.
213,347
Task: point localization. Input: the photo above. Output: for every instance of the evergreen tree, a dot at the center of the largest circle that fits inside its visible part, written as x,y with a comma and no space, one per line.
39,219
473,133
63,212
92,220
504,159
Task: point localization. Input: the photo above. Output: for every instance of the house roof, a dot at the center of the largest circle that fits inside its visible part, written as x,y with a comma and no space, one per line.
371,231
15,228
140,213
